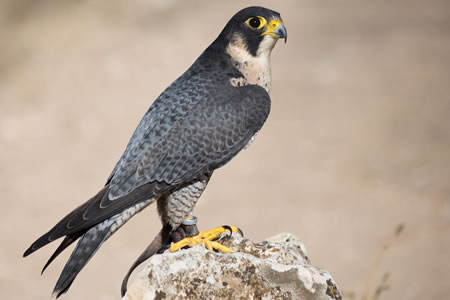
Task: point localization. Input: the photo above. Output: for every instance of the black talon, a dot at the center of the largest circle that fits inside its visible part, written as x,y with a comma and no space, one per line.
240,231
226,227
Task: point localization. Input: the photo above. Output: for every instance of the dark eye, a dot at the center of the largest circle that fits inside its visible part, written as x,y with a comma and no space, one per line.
254,22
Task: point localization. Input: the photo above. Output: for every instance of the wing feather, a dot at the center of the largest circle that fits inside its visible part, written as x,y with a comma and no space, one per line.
209,134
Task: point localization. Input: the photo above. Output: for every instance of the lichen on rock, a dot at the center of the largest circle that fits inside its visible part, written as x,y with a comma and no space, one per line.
277,268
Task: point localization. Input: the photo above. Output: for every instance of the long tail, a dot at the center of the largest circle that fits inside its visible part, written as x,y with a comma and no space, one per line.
88,245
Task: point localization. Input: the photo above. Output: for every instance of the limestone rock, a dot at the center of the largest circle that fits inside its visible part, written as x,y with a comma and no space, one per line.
277,268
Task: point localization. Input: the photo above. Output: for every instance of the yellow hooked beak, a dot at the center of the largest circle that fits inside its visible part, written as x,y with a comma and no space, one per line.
276,29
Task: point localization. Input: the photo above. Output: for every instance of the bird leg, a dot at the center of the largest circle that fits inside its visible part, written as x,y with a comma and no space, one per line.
208,238
187,229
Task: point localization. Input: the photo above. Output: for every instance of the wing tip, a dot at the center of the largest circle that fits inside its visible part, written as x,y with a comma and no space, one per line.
38,244
28,252
35,246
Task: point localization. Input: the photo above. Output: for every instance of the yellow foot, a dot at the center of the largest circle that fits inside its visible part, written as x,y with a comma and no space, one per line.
207,238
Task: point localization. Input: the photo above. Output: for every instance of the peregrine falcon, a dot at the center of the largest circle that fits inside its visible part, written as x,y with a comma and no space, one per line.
198,124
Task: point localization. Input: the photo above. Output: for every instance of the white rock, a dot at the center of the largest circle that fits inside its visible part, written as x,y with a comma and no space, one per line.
277,268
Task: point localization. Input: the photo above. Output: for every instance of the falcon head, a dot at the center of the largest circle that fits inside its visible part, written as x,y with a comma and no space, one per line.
255,29
247,42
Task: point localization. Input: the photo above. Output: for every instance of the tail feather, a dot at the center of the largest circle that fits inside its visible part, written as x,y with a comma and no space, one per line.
68,240
88,245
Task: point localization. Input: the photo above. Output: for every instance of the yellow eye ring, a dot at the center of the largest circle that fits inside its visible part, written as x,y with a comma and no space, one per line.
256,22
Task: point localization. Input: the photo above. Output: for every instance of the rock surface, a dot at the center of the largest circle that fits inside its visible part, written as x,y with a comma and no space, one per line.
277,268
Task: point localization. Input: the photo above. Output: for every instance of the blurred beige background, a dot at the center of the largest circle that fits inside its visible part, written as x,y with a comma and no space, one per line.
358,140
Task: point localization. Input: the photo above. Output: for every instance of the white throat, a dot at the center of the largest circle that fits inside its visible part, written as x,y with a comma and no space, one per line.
256,69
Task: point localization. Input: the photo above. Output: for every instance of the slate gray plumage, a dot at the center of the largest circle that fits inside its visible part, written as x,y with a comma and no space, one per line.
198,124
